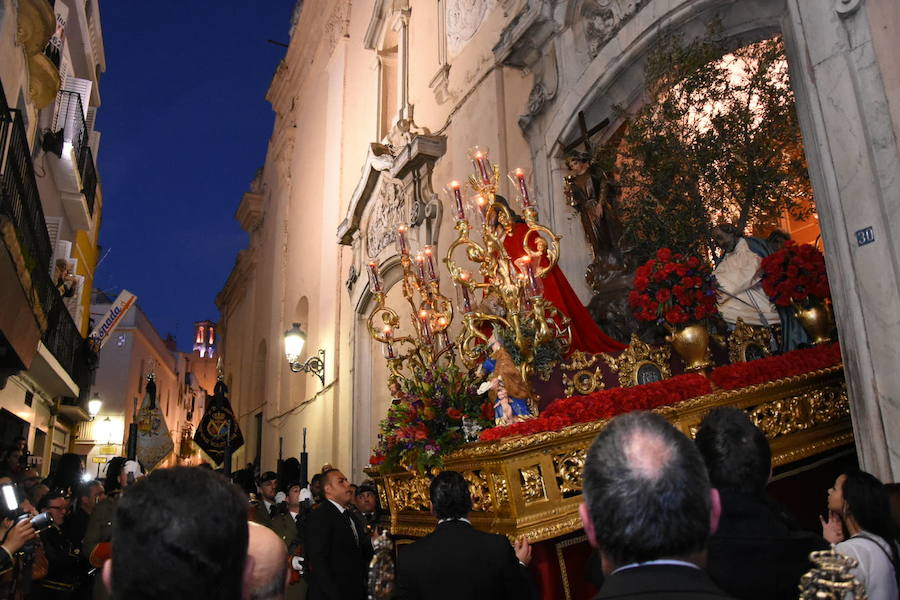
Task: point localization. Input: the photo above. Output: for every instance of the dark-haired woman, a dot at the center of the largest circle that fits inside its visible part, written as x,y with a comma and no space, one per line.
860,526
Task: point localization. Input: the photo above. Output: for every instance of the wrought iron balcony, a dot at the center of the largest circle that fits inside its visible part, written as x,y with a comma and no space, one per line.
74,171
21,204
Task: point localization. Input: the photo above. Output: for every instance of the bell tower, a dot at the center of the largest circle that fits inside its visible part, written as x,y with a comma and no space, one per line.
205,338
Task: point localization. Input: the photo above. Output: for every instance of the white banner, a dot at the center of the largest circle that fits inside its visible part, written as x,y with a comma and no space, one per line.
112,317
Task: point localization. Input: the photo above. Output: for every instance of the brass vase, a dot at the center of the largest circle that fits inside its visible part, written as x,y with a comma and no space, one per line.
816,320
691,342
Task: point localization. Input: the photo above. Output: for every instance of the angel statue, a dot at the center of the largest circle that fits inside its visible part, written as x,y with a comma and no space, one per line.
505,387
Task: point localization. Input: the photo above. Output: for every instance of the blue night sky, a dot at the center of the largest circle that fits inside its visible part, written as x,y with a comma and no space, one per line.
184,125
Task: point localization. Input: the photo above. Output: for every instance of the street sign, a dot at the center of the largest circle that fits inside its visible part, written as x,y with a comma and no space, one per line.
99,459
111,449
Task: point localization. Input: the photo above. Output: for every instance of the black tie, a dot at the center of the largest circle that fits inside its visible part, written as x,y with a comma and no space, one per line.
349,518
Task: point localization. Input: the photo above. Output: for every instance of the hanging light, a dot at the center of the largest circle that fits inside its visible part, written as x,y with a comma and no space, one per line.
94,405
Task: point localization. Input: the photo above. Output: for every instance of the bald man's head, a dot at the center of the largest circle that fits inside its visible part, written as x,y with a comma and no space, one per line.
646,492
268,579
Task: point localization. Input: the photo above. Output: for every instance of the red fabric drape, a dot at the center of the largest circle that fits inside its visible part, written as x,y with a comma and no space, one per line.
586,335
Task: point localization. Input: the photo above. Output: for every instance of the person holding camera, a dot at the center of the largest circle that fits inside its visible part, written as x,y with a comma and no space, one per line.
63,559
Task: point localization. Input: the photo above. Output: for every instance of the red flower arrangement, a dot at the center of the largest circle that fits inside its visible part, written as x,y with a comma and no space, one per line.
743,374
795,273
605,404
673,289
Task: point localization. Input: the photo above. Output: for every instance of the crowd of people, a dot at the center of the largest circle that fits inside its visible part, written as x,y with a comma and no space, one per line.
668,518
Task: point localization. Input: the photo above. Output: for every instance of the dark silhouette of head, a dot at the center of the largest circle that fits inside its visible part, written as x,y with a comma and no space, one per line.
179,534
450,496
736,451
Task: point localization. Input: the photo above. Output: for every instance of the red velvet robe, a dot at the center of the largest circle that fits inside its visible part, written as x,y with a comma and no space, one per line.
586,335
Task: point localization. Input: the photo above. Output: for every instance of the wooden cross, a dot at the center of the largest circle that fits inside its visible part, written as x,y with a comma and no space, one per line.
586,134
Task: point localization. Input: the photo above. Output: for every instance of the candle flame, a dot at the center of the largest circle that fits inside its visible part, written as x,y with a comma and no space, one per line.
454,184
520,173
402,228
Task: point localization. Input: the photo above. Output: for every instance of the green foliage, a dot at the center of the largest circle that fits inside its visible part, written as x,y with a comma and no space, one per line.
546,355
717,139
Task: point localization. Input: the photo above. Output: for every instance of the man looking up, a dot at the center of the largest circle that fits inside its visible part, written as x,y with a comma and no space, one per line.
180,534
649,509
337,549
757,552
458,561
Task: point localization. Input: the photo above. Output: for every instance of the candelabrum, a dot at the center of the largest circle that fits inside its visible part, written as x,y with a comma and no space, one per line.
432,313
512,304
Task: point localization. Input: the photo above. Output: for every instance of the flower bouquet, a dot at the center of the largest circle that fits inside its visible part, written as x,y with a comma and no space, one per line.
673,289
425,419
795,274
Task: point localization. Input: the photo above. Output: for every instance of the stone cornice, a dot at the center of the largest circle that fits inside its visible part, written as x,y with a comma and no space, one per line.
235,286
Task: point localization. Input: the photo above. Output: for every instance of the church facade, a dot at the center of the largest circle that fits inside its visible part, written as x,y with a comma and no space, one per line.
377,103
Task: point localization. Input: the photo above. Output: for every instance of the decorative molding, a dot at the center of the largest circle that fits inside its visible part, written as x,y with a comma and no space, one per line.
604,18
527,43
846,8
464,18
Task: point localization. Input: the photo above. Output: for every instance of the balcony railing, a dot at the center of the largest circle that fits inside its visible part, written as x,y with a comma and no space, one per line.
70,118
20,202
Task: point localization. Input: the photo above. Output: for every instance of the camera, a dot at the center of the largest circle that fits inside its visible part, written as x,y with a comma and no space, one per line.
11,502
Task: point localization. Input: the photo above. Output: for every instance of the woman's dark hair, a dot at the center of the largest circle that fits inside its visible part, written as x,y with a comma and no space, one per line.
68,473
868,503
111,483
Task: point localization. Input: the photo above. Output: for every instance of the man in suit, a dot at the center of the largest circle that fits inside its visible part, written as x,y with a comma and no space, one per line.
456,560
337,548
758,551
649,509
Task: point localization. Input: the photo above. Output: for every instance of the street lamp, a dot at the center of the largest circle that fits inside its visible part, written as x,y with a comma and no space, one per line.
294,341
94,405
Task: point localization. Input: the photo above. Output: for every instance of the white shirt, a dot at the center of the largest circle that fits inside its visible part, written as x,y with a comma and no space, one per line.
661,561
875,570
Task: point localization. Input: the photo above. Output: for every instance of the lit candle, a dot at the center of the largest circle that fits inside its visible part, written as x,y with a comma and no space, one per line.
457,196
375,278
429,261
402,244
388,347
523,189
420,265
426,325
481,163
481,204
535,285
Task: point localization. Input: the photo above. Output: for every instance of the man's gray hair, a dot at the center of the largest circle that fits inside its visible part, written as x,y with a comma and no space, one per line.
274,589
647,490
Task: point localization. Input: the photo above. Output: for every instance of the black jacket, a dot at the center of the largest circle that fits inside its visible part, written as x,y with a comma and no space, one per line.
336,566
660,582
756,552
457,561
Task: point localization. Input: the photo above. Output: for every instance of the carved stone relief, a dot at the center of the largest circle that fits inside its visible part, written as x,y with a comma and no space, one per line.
603,18
464,17
388,212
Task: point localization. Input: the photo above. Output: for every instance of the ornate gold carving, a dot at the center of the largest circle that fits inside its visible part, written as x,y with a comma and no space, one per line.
745,336
813,418
482,500
569,467
501,488
532,484
583,381
411,493
638,354
796,413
